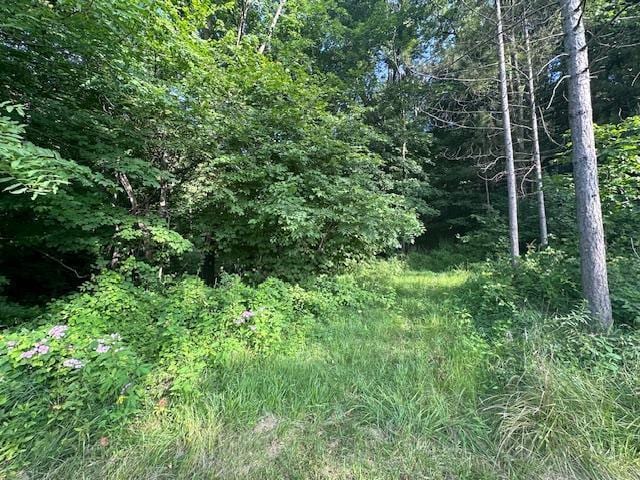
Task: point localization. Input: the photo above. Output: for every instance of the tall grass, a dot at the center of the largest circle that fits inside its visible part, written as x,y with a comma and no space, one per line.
411,391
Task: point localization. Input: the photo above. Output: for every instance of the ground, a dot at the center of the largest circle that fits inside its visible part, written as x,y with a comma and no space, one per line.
400,392
382,393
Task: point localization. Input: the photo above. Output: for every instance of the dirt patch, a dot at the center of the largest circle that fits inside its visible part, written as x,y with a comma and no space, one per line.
266,424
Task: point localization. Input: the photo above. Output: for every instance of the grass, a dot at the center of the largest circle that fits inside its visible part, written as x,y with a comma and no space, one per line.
406,393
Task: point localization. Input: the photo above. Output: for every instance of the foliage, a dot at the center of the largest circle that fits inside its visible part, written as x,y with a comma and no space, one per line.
63,379
619,157
95,357
624,275
243,159
25,167
541,396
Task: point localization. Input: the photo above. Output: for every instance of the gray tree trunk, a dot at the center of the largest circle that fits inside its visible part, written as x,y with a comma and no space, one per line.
595,285
272,27
535,139
508,143
244,6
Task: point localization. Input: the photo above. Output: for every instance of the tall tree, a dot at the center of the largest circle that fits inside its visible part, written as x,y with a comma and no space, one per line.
272,26
535,140
595,283
508,142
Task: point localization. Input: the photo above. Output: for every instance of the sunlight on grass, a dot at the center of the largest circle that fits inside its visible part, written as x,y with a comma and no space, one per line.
377,393
380,393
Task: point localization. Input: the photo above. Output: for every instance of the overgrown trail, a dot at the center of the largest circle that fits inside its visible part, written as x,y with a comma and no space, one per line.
382,393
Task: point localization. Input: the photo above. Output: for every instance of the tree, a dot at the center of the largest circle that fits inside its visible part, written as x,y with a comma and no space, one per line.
508,142
593,262
535,141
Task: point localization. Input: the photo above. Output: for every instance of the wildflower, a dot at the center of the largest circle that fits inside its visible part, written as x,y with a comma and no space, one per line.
252,328
104,442
244,316
73,363
116,337
11,344
28,353
58,331
102,348
41,348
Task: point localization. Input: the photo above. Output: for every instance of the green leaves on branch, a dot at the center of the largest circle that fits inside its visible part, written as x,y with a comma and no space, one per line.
26,168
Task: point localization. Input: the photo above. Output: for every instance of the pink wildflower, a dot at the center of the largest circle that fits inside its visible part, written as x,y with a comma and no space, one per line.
41,348
58,331
28,353
102,348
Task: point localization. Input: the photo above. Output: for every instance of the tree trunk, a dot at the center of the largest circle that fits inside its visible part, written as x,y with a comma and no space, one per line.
595,285
165,187
535,140
135,210
272,27
242,19
517,97
508,143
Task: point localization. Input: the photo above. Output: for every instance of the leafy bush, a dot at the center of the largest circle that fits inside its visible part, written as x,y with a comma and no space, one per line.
58,378
547,280
624,278
93,358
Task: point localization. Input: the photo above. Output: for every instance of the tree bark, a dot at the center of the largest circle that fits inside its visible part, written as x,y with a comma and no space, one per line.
128,189
595,285
508,143
535,140
165,187
272,27
242,19
135,210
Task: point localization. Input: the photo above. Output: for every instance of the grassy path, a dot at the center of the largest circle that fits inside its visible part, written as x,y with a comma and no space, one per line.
378,394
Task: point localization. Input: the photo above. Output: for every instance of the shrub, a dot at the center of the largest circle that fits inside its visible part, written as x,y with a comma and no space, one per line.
92,358
624,278
57,378
547,280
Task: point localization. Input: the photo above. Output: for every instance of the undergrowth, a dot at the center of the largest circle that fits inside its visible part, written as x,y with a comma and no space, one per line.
383,372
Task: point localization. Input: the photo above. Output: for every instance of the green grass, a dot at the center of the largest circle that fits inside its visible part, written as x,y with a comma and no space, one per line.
406,393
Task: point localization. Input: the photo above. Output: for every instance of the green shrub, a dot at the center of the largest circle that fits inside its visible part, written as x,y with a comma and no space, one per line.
203,325
547,280
624,280
92,358
57,378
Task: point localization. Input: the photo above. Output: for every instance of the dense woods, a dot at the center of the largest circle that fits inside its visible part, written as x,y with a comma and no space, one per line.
198,194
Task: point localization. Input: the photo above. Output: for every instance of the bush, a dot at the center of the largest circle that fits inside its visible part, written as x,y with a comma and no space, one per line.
568,397
57,378
125,338
547,280
624,278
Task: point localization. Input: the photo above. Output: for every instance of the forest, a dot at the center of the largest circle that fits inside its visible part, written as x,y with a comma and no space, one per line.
320,239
